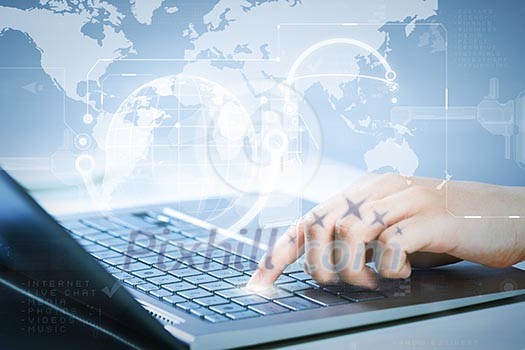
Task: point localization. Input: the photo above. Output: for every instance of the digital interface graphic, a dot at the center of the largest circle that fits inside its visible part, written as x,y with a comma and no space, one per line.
379,89
233,118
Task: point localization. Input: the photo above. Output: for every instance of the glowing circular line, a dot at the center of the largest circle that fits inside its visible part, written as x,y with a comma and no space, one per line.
337,75
299,61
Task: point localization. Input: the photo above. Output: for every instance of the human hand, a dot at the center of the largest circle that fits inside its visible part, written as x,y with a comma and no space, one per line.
407,223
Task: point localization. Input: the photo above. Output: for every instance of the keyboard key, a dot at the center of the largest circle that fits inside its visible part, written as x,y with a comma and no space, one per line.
284,279
195,293
343,288
80,232
226,273
249,300
180,225
112,269
239,280
160,293
215,318
233,293
193,260
155,259
135,281
217,285
321,297
294,286
79,239
122,275
268,309
106,254
179,286
296,303
166,279
131,221
190,245
202,278
301,276
158,216
123,232
216,254
295,267
313,283
97,236
148,273
210,301
119,260
363,296
244,265
121,248
242,315
75,235
176,253
170,236
185,272
93,248
194,231
246,251
201,312
227,308
101,223
174,299
109,242
274,293
136,251
134,266
72,224
210,266
188,305
169,265
146,287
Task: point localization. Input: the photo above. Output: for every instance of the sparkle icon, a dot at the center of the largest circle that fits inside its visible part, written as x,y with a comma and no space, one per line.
318,220
353,208
379,218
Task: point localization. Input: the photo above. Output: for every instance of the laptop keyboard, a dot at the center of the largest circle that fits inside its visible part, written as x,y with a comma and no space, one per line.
177,263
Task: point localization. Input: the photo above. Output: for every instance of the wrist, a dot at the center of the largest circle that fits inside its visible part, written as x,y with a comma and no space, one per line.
520,223
516,201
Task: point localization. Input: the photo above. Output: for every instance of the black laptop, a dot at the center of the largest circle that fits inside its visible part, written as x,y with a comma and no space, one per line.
158,278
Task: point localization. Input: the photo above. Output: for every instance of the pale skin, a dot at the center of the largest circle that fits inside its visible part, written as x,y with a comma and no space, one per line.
414,219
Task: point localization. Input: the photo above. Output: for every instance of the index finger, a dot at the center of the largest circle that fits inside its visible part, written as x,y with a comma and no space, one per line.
288,248
292,244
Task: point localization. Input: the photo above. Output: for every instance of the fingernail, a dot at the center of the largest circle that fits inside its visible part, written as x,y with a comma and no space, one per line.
305,268
254,283
405,271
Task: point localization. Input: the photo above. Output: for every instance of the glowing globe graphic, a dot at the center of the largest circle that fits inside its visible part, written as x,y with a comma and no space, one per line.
160,137
187,137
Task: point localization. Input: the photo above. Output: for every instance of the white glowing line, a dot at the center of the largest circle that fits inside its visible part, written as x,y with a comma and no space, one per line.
250,215
348,41
337,75
309,132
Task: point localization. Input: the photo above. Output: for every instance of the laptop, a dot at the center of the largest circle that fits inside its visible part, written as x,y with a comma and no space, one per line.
156,277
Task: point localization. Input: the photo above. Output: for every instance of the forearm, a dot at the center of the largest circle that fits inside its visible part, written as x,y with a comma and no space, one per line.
521,238
516,197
